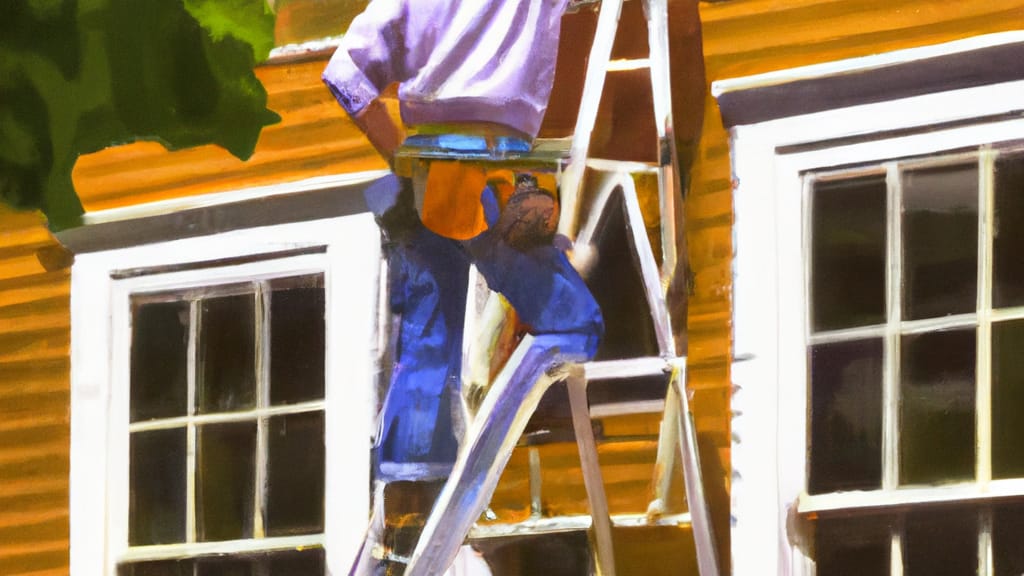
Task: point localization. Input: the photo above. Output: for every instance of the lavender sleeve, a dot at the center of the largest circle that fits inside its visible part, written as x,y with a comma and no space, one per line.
370,56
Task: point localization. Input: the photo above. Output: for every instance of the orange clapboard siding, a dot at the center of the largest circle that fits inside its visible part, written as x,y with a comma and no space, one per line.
741,37
314,138
34,401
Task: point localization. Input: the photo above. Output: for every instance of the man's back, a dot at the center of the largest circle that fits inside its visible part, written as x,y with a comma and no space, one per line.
456,61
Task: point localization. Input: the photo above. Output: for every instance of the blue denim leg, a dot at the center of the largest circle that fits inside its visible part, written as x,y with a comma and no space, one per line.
429,275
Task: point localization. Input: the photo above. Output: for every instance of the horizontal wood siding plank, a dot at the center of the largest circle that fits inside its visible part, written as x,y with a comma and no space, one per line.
34,401
314,138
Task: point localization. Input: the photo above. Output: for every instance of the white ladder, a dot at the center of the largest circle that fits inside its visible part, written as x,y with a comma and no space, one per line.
439,544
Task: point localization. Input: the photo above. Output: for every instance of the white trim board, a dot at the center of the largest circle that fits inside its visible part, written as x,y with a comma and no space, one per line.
161,207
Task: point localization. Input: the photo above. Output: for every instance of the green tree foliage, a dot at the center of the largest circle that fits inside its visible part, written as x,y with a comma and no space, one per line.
77,76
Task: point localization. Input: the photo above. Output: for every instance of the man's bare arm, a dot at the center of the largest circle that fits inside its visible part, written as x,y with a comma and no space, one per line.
382,131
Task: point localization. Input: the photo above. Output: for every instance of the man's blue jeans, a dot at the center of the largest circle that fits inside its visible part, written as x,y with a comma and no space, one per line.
429,277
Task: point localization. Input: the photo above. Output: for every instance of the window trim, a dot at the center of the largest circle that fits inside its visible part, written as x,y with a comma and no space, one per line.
100,312
981,319
769,308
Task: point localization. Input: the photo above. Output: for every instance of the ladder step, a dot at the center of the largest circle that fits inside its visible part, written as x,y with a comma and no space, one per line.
631,367
627,408
555,524
627,64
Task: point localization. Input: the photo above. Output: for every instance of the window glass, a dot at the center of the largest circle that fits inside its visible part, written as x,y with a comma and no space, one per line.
225,476
940,241
941,542
848,225
846,416
159,360
227,357
160,568
296,341
295,470
852,546
1007,399
937,402
157,487
1007,539
1008,241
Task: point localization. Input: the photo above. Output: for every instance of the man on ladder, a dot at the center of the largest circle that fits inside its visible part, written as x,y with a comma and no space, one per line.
474,80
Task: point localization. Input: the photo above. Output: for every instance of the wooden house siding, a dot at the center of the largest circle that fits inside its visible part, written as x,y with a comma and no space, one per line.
741,37
34,401
314,138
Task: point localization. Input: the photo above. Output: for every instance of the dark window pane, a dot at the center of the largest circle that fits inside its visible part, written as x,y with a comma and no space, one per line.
848,226
297,342
846,416
301,563
156,508
940,241
1008,273
158,568
225,476
224,567
227,354
941,543
1008,539
159,384
1007,399
295,474
852,547
937,407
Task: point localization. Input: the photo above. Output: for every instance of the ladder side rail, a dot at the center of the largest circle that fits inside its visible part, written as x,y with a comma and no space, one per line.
593,88
661,92
707,556
667,455
591,468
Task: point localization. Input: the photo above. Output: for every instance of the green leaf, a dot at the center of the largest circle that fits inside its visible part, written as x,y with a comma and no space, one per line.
77,77
250,21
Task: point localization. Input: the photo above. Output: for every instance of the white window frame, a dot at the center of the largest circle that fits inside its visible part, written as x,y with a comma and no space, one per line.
346,250
770,294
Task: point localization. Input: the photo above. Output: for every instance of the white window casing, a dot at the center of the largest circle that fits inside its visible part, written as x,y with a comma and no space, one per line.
770,374
345,249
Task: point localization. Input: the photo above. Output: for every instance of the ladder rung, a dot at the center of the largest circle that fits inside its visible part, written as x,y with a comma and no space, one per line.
570,523
627,64
626,166
625,408
631,367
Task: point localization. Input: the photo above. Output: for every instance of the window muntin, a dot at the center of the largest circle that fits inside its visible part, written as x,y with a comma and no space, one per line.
916,397
226,433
